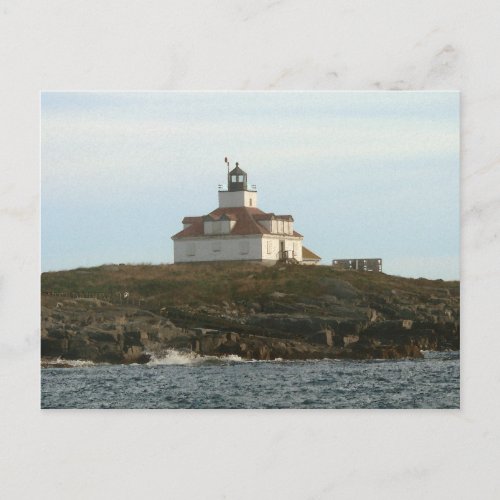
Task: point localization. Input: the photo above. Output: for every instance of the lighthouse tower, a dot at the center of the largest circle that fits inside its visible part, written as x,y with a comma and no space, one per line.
237,194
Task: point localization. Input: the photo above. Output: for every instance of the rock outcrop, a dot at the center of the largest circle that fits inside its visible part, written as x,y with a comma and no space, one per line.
311,314
94,330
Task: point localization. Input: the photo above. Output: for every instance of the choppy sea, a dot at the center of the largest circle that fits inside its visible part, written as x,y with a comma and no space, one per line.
184,380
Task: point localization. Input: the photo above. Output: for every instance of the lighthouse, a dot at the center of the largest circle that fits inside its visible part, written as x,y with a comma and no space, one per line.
240,231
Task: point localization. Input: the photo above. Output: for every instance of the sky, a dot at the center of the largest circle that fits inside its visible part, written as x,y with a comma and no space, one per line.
364,174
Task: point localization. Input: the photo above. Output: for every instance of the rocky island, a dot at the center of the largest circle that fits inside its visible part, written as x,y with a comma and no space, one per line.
129,313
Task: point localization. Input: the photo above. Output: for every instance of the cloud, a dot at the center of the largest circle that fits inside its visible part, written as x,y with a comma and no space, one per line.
82,147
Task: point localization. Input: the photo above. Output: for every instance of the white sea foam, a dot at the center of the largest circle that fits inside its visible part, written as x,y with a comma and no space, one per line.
168,357
233,357
77,363
174,357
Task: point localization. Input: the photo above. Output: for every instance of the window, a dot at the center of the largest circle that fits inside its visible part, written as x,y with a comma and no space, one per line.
234,178
216,227
244,247
190,248
269,246
250,202
216,246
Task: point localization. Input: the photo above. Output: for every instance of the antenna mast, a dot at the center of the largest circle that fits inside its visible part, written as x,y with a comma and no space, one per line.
227,163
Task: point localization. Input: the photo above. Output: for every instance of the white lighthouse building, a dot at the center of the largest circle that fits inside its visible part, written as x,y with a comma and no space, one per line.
239,231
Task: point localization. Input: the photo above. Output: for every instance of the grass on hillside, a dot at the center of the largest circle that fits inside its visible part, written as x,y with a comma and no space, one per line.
175,284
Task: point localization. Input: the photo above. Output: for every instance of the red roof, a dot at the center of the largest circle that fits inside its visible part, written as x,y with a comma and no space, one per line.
270,215
190,220
245,217
264,216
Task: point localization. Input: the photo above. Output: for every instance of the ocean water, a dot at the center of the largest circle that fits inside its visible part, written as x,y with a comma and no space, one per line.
178,380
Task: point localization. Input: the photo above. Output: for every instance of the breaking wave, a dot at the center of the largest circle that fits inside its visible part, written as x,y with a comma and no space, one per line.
168,357
174,357
66,363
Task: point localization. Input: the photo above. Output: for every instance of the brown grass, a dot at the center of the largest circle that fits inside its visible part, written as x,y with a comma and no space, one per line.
213,283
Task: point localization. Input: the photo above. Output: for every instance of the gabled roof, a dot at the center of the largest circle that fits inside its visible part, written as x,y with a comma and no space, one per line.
195,229
245,222
223,216
190,220
264,216
272,216
244,217
308,254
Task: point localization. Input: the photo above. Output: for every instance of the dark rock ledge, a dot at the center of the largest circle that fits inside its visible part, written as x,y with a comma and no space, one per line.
99,331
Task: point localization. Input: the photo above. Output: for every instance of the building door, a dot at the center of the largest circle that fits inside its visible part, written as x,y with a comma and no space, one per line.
282,249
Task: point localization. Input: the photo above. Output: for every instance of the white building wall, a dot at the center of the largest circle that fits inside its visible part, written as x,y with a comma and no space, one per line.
214,249
297,247
271,246
237,199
